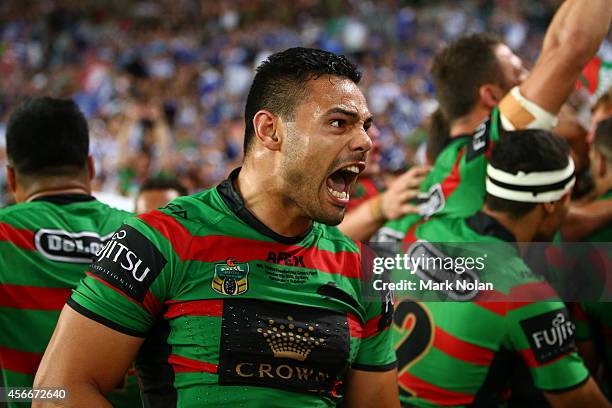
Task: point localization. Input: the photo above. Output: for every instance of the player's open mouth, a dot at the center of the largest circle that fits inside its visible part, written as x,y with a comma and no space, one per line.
339,182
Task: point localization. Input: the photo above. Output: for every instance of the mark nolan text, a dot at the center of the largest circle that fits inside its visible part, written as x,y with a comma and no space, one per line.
458,285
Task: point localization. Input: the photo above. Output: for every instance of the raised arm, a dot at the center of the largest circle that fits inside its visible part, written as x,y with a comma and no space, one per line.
573,37
87,359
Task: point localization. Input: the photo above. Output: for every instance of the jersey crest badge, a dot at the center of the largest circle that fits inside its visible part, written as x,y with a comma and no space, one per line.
231,278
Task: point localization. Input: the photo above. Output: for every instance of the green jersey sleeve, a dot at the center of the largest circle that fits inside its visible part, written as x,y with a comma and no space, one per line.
129,280
376,352
542,333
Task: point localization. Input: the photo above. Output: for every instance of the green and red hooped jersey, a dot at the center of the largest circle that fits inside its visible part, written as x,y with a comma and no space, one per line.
364,189
462,354
233,313
594,319
45,247
455,186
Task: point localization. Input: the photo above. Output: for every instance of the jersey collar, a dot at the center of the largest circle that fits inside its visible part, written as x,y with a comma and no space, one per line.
62,199
232,198
486,225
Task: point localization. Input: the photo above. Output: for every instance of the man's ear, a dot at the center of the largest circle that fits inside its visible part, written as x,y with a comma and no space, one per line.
91,167
266,125
11,179
490,95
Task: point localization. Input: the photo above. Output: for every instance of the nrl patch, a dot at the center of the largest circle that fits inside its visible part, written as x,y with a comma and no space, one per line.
430,266
231,278
432,201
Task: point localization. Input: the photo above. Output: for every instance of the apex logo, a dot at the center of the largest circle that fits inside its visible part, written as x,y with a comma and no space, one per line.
284,258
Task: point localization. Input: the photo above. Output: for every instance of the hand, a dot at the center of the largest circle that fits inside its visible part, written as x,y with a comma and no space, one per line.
395,201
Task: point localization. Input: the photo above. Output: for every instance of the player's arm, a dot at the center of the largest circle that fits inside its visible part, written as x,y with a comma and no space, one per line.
586,395
573,37
361,223
556,369
371,389
585,219
87,359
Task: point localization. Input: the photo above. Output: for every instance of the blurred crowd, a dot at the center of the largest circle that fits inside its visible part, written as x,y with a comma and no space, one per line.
163,83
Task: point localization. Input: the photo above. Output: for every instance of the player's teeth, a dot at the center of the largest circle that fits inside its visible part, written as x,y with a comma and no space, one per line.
352,169
343,195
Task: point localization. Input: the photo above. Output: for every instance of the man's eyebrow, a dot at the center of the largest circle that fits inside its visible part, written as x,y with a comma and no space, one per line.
352,114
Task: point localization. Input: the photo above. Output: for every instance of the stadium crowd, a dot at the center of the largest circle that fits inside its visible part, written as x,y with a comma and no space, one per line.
162,83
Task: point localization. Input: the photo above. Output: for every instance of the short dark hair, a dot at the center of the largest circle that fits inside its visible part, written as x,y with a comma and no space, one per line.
461,68
47,137
603,138
279,82
527,151
163,183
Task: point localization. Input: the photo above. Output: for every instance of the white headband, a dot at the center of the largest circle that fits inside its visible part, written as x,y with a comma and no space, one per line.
534,187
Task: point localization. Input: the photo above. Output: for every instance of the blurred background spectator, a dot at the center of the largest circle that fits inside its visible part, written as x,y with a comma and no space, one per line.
163,83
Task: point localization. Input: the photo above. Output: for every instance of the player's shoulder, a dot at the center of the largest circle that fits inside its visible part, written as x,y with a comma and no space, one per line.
184,216
332,239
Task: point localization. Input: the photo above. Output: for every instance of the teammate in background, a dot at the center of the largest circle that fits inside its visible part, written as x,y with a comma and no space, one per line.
602,109
594,319
157,192
244,292
50,236
482,88
480,341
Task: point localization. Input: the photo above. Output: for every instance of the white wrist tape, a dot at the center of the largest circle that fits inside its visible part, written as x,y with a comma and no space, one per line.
518,113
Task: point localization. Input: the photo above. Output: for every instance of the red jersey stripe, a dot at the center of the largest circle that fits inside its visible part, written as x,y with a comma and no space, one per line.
462,350
150,303
187,365
19,361
355,327
213,248
529,358
33,297
452,181
209,307
433,393
22,238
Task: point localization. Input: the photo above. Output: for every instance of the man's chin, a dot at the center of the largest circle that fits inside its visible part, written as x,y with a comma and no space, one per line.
331,219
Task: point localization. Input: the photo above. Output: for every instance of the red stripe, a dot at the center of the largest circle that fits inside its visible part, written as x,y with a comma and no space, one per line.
530,360
410,236
452,181
355,327
370,328
462,350
433,393
151,303
211,307
33,297
187,365
213,248
102,281
22,238
579,313
531,292
19,361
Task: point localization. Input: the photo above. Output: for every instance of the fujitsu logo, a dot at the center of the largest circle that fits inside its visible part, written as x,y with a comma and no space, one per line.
122,255
562,329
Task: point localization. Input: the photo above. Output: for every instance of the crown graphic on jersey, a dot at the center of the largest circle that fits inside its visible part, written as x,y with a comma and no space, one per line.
290,340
